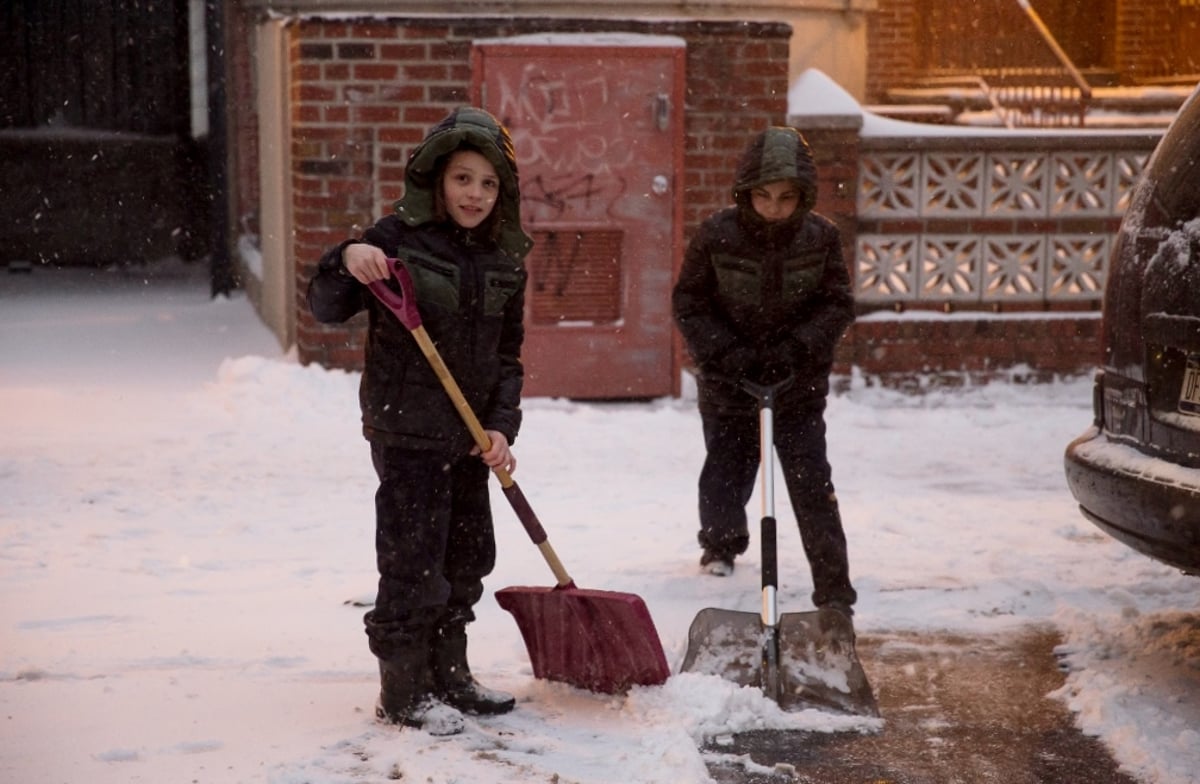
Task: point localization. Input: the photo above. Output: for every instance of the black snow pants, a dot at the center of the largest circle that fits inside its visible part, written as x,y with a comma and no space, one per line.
434,544
727,480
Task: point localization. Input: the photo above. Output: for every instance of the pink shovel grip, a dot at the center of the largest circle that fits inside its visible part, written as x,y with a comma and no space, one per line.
403,304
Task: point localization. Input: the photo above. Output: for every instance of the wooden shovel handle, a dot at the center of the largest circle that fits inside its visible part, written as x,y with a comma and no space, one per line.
403,305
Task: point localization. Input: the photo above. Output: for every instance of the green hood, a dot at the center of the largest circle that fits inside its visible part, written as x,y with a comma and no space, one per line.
474,128
778,153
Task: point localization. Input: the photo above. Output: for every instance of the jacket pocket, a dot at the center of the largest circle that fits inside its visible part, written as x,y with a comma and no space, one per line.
738,280
499,286
802,274
436,282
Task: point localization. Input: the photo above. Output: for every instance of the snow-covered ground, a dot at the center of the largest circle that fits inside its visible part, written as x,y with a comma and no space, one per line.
185,512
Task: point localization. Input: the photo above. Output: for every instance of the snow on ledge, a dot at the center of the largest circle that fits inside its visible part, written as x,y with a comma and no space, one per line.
977,315
588,39
816,98
814,92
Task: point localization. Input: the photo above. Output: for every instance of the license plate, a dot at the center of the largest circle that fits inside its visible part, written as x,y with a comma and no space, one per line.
1189,394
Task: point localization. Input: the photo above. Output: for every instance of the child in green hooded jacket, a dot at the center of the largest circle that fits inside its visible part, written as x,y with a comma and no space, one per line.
458,231
764,295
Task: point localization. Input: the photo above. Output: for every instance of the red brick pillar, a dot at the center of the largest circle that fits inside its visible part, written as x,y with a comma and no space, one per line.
835,143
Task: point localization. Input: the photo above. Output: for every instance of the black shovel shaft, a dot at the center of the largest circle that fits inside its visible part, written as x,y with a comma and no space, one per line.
770,561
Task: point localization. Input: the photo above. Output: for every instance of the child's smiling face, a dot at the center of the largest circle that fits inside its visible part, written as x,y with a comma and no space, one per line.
470,186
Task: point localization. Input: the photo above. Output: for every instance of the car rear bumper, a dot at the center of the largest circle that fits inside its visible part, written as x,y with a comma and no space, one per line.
1148,504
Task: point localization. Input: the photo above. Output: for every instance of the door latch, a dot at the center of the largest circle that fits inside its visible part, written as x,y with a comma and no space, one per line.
662,111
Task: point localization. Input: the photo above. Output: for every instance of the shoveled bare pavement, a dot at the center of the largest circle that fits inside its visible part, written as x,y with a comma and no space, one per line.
957,710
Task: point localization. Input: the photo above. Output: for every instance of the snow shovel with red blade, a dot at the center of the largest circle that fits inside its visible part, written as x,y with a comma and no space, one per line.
799,660
603,641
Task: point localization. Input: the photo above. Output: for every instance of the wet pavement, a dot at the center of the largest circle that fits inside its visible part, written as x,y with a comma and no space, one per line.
957,710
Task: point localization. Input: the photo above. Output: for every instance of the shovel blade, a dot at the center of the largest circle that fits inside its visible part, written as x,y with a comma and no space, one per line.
602,641
817,665
729,644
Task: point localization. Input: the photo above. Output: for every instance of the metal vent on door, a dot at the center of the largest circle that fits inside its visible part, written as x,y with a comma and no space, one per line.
575,276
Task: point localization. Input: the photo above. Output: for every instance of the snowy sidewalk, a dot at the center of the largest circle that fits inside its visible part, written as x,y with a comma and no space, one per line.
184,510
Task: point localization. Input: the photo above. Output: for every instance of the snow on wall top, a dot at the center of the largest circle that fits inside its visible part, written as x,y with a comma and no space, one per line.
814,94
588,39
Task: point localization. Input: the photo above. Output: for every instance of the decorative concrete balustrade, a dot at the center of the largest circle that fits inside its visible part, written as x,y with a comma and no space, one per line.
996,220
971,250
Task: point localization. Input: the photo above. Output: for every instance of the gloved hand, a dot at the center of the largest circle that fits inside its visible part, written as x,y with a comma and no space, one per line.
779,355
737,363
778,360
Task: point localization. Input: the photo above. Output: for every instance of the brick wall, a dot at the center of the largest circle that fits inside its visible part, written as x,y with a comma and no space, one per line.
898,348
366,91
836,152
1145,39
736,86
1145,42
891,41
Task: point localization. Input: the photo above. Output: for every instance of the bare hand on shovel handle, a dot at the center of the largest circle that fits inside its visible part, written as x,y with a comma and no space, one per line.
599,640
404,305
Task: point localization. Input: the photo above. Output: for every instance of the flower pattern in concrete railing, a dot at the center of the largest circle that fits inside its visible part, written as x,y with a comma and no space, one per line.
988,227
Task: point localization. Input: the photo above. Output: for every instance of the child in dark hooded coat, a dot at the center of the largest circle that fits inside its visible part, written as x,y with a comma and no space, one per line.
764,295
458,231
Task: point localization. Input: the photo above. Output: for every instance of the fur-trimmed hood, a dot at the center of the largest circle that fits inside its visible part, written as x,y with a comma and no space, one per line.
476,129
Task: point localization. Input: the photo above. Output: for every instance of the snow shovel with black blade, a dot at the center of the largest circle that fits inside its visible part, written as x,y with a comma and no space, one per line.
603,641
799,660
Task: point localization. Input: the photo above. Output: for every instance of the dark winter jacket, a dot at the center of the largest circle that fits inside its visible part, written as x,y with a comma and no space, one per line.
764,300
470,291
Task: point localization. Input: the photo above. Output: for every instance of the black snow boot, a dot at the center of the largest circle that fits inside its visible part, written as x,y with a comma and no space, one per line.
452,679
405,698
